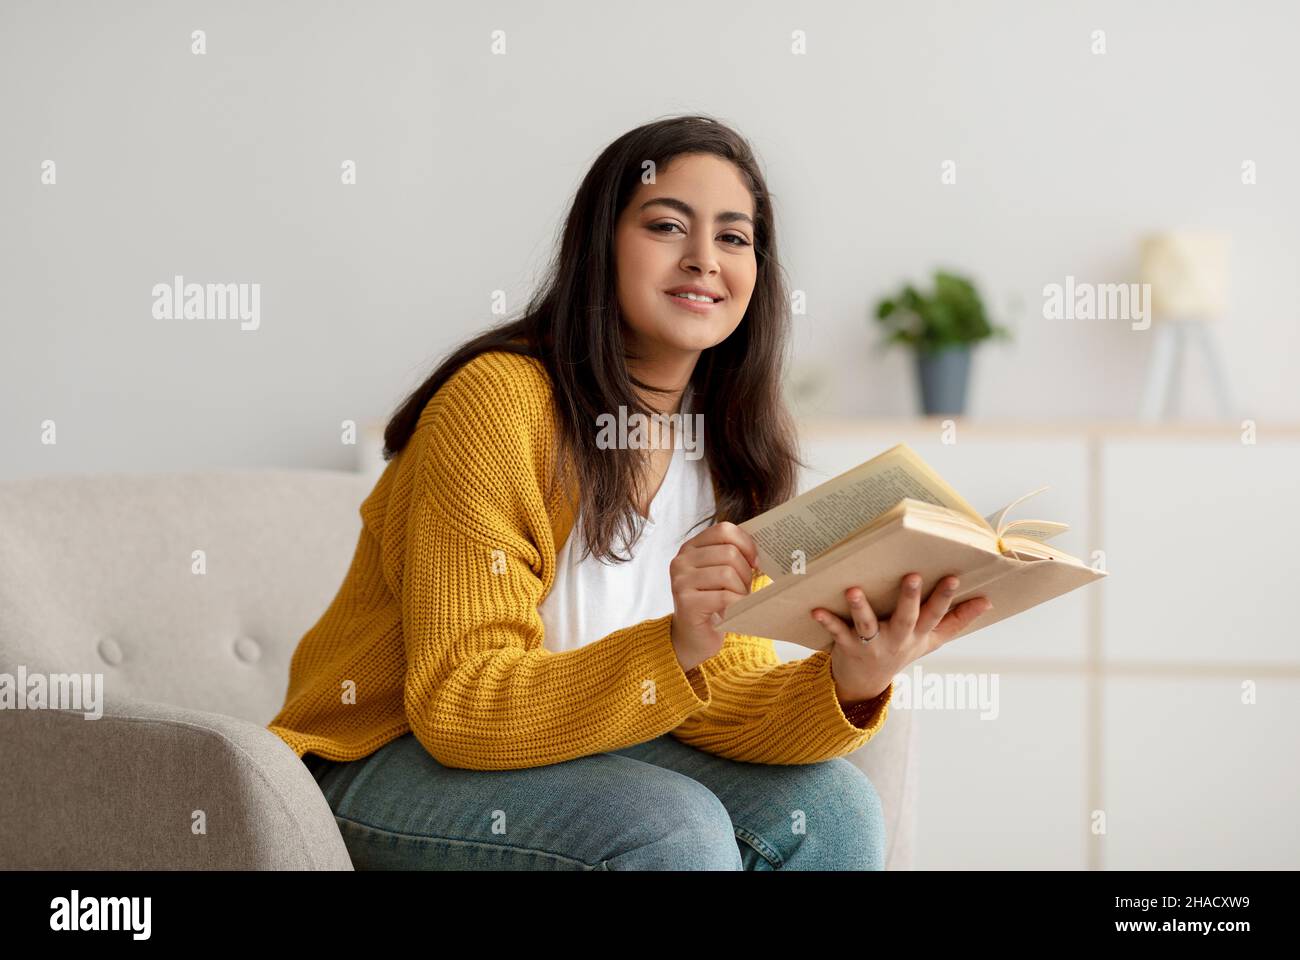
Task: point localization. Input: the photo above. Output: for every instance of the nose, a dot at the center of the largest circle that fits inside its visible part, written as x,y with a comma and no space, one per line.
703,262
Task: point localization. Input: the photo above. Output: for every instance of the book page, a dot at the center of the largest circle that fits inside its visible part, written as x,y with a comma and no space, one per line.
997,517
1035,529
813,522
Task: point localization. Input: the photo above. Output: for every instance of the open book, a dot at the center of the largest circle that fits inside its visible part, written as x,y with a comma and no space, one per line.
871,526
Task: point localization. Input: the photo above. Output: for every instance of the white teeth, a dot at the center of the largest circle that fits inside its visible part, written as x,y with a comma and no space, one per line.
695,296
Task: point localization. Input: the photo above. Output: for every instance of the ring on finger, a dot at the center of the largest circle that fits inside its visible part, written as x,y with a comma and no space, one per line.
857,601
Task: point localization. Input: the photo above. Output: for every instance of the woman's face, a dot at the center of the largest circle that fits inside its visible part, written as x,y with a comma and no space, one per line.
693,227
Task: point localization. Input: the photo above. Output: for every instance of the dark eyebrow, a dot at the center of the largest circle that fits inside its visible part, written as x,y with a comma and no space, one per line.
726,216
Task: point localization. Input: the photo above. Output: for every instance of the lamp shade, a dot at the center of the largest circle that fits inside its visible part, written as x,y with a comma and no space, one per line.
1188,273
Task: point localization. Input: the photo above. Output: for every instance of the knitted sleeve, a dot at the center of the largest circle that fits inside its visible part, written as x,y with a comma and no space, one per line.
765,711
481,691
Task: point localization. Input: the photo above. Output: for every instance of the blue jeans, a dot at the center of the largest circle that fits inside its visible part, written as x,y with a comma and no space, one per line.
658,805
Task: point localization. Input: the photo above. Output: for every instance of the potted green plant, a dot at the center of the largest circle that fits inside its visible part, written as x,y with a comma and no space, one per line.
940,325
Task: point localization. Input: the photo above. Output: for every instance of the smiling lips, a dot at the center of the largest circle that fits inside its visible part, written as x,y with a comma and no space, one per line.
699,305
696,306
697,289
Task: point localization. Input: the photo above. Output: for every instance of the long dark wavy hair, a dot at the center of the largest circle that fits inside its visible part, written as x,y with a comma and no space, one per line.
574,326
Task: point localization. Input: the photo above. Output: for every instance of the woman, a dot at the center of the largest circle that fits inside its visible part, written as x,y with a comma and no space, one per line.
498,683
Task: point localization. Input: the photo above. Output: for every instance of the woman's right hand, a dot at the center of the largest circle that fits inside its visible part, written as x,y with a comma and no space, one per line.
710,572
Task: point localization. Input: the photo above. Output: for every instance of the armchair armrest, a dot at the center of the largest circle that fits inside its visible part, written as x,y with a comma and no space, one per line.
151,786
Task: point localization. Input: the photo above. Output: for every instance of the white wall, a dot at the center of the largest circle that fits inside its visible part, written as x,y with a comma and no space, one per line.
225,168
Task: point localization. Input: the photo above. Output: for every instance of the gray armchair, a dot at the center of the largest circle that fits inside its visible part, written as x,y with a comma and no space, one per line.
97,577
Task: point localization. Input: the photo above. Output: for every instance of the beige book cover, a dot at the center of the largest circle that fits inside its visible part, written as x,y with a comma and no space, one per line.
872,525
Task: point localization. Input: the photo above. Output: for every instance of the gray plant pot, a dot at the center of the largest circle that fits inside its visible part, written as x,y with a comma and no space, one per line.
943,375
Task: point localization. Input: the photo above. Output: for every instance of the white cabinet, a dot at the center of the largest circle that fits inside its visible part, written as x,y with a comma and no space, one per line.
1195,779
1200,539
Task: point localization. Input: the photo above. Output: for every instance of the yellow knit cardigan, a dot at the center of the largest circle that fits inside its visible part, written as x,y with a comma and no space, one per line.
436,631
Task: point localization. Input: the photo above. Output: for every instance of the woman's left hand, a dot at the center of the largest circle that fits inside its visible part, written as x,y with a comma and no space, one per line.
863,671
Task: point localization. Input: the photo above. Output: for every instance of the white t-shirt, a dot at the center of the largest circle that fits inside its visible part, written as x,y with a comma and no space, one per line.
591,599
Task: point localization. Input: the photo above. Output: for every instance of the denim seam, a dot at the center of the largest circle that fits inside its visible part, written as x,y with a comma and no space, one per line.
765,849
467,843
